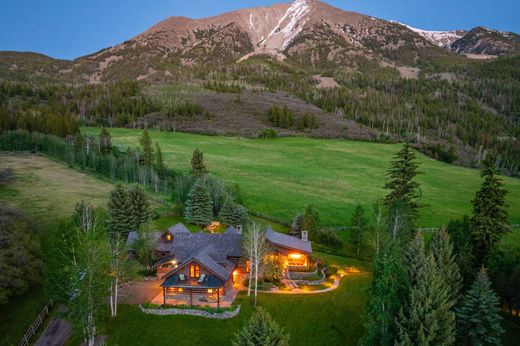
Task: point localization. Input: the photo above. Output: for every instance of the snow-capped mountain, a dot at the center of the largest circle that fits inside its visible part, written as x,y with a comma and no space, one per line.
440,38
308,32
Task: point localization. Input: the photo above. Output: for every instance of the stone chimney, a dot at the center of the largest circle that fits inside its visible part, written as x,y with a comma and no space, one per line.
239,229
305,235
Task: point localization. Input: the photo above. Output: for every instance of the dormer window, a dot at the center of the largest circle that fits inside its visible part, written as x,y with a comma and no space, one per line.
168,237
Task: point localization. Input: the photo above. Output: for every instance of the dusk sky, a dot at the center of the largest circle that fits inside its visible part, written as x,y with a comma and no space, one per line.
68,29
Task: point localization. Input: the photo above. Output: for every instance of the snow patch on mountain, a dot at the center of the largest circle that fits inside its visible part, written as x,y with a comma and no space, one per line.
440,38
289,26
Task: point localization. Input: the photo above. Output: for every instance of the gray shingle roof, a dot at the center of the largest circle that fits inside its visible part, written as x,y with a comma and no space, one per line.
287,241
179,228
231,230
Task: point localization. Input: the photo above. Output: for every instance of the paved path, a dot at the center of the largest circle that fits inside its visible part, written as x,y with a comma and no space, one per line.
300,291
139,292
56,334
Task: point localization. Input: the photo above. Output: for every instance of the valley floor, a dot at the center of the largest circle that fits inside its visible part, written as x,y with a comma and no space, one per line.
280,177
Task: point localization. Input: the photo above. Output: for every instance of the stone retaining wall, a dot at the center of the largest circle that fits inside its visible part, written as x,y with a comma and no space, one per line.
313,282
192,312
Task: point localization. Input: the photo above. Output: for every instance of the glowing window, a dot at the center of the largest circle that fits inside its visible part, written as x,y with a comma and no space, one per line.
194,271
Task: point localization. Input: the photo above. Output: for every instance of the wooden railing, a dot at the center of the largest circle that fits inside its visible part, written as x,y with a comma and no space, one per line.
33,328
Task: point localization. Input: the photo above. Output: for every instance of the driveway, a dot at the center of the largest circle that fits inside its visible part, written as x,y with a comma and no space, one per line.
139,292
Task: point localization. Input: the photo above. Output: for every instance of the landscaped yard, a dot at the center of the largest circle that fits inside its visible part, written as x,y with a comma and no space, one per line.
280,177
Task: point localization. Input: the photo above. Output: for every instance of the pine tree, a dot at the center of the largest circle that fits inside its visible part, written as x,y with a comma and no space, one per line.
119,211
261,330
442,251
311,221
146,144
479,315
401,182
160,169
105,142
359,226
386,291
197,163
199,209
140,208
427,316
490,219
226,213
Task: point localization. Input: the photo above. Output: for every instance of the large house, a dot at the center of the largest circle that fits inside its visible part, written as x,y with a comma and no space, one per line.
210,264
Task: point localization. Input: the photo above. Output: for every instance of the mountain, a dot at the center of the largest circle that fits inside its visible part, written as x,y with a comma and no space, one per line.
485,41
440,38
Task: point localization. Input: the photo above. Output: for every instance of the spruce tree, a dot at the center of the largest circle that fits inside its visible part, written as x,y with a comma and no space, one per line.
403,188
386,295
227,212
427,316
490,219
442,251
311,222
146,144
479,315
119,212
140,208
160,169
359,226
197,163
261,330
199,209
105,142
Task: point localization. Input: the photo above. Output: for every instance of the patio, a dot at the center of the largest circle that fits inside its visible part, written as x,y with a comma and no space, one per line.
197,299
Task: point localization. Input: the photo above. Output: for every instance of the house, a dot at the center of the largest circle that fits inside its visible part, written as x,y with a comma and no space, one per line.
208,265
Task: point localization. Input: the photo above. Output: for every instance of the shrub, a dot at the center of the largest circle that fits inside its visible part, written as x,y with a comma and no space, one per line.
329,238
268,133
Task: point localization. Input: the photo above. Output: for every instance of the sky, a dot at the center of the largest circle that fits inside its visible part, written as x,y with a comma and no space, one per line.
68,29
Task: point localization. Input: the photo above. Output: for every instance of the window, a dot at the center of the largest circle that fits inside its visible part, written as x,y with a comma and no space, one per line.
248,263
194,271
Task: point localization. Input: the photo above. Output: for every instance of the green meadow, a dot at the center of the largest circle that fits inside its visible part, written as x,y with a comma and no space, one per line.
280,177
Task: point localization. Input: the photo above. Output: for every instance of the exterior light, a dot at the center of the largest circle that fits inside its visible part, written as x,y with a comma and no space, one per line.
295,256
210,290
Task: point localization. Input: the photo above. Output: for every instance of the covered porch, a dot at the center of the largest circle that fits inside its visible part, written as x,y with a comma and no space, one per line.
207,290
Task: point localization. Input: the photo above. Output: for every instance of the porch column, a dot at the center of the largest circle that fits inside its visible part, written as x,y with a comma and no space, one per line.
191,297
164,295
218,298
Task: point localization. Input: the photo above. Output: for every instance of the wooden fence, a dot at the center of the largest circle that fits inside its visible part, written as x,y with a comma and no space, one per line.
33,328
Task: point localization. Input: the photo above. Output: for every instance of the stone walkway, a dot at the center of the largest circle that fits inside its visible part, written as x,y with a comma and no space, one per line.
139,292
300,291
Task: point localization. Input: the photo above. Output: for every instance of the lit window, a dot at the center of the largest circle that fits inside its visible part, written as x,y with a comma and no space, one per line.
210,290
194,271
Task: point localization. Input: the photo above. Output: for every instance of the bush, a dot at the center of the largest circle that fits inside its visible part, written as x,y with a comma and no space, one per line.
329,238
268,133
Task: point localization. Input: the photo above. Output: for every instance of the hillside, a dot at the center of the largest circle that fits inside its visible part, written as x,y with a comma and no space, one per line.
280,177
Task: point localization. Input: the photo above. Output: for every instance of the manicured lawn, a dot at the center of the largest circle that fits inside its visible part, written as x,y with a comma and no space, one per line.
280,177
332,318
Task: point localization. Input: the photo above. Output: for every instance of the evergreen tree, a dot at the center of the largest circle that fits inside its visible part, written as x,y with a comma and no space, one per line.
227,212
105,142
311,221
140,208
459,231
442,251
261,330
490,219
479,316
427,316
199,209
359,226
297,223
119,211
160,169
197,163
401,182
386,292
146,144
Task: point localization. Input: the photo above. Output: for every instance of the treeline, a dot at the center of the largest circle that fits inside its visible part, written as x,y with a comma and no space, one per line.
61,109
477,105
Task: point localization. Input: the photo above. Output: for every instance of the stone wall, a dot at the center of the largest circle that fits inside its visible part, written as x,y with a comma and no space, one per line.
313,282
192,312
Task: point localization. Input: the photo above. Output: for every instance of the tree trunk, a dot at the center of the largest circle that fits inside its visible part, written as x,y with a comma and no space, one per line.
250,276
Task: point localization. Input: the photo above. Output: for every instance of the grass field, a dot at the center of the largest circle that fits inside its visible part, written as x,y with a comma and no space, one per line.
49,190
280,177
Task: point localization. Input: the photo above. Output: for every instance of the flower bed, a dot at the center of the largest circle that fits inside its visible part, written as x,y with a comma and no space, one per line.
202,311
